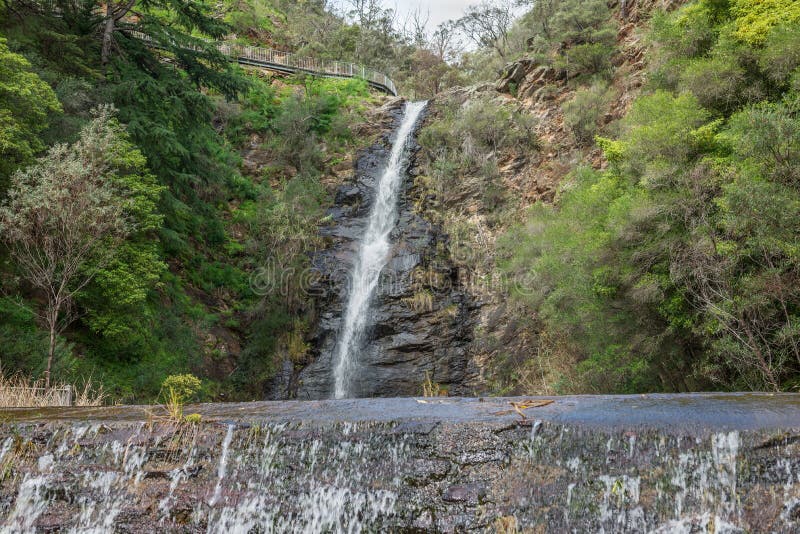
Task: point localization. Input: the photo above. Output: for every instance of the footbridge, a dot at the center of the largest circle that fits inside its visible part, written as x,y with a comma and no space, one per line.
289,63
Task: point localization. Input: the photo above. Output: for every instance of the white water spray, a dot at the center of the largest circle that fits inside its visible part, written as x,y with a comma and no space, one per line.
223,465
372,253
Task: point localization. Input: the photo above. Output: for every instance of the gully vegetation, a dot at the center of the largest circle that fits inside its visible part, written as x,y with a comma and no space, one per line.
144,184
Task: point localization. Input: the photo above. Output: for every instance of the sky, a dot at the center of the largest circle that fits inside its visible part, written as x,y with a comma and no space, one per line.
440,10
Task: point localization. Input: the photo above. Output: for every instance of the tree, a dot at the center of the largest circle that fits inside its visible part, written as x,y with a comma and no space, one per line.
430,73
368,14
540,17
444,42
66,215
414,29
182,29
25,103
487,24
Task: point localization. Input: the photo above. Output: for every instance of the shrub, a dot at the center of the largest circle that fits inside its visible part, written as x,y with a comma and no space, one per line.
717,83
489,125
688,33
767,136
194,418
659,125
755,18
587,34
588,59
181,387
26,104
583,21
582,114
781,54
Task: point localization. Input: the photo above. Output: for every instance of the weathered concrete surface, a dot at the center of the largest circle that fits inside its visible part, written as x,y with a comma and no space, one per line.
657,463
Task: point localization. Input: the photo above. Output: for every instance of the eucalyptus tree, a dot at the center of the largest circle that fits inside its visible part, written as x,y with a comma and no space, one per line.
487,24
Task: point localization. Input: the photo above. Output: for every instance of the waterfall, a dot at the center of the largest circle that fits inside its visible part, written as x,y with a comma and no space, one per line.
372,253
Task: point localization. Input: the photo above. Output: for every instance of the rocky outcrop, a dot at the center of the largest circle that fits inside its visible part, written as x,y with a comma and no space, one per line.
623,464
426,313
421,319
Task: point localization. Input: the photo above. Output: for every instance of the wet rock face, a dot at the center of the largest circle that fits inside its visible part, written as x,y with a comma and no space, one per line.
290,474
421,320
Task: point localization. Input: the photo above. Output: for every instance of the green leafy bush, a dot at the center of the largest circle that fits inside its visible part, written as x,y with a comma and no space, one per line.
754,19
718,83
780,57
583,113
182,388
26,103
587,59
676,268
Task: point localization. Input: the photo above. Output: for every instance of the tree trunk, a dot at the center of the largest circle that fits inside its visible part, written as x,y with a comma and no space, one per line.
108,36
53,320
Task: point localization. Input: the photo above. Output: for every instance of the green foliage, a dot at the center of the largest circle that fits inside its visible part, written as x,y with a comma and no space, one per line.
587,34
677,267
181,387
120,288
464,146
780,57
575,36
688,33
582,114
193,419
583,22
253,18
587,58
658,129
755,18
24,344
26,102
258,108
184,267
767,137
717,83
67,216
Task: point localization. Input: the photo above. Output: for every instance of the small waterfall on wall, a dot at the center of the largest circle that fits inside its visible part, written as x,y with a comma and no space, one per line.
443,467
372,254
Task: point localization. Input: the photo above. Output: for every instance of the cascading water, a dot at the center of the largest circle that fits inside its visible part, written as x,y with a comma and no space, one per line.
372,253
397,465
626,465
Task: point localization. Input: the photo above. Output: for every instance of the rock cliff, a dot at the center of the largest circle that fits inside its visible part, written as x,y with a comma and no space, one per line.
421,318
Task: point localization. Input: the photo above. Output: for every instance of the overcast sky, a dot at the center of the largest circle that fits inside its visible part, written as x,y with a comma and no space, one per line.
440,10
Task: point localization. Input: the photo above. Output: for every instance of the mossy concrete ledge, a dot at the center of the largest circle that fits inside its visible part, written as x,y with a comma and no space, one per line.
652,463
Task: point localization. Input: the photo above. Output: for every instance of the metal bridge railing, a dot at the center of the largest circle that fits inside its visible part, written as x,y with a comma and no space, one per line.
287,61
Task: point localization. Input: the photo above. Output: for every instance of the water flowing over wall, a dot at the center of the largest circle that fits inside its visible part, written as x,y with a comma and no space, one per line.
699,463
